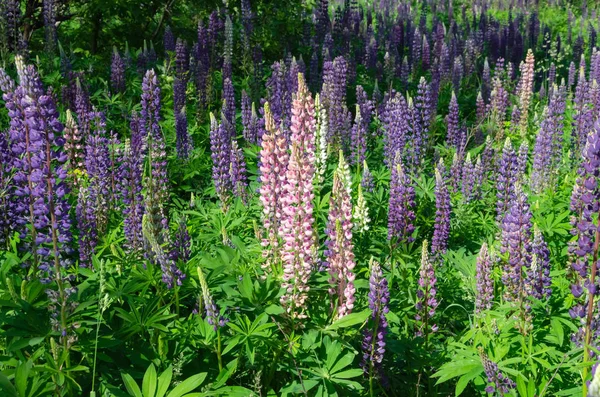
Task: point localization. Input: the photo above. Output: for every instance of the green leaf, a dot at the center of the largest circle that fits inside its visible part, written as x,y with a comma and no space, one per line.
164,380
21,377
274,310
187,385
350,373
149,382
349,320
6,387
132,388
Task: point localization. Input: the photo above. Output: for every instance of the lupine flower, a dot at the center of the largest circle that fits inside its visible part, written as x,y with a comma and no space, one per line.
169,39
297,223
73,144
183,139
333,97
522,157
488,155
181,243
6,206
468,179
571,75
237,171
273,165
484,280
339,253
130,173
516,246
365,105
366,181
540,267
156,182
97,165
441,227
358,139
453,130
83,107
498,103
220,146
456,172
12,20
171,274
548,143
396,128
526,90
373,345
426,295
278,96
321,134
422,120
481,108
50,24
229,106
505,179
401,214
361,213
497,381
228,49
249,119
117,72
583,119
180,81
87,226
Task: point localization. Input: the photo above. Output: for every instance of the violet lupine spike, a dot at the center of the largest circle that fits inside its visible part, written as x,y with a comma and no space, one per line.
86,224
220,147
49,12
273,165
522,160
229,105
278,97
183,139
484,280
156,182
237,171
441,227
423,113
585,205
365,105
247,118
181,243
453,131
516,245
6,204
540,267
181,76
456,172
547,151
488,155
333,97
169,39
396,128
131,185
505,179
297,224
366,180
481,108
83,107
499,102
358,139
339,253
468,179
373,345
212,312
498,383
171,275
583,120
228,49
426,295
401,213
117,72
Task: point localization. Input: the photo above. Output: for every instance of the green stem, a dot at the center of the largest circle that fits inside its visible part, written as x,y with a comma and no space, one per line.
219,350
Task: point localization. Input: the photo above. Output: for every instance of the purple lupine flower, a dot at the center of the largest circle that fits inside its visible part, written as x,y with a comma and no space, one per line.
156,182
86,224
401,213
228,49
131,179
358,139
484,280
516,245
486,81
278,96
488,155
183,139
423,113
171,274
540,267
247,117
522,159
365,105
273,165
229,106
220,146
6,204
505,179
83,107
297,223
468,179
333,97
213,315
499,102
12,20
50,24
202,58
583,119
453,130
339,253
181,76
441,228
481,108
181,243
396,128
457,73
373,345
237,171
547,151
426,296
169,39
571,75
497,381
366,180
117,72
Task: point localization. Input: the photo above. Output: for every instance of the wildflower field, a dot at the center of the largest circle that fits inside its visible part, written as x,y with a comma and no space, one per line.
299,198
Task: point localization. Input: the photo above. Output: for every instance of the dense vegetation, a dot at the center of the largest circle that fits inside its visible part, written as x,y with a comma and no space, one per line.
275,198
